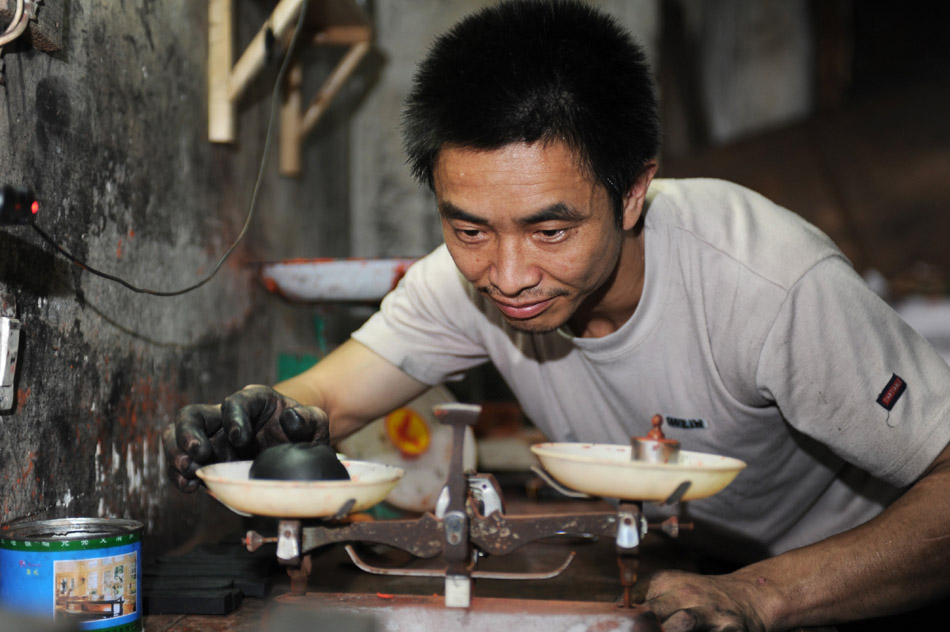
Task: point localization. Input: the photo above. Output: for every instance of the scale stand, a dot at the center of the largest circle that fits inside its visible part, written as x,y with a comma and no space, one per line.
469,522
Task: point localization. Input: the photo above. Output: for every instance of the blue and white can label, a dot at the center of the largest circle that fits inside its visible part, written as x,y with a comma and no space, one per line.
82,571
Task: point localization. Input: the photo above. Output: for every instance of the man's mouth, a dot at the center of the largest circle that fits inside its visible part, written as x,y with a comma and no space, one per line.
523,310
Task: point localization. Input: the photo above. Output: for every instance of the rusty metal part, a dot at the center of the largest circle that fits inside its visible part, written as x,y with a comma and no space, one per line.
672,526
631,528
629,564
300,575
421,537
254,540
498,534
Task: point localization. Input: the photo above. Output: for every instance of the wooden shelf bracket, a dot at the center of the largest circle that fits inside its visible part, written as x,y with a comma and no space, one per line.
328,23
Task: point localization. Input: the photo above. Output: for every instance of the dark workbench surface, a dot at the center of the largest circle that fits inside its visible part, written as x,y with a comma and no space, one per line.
592,576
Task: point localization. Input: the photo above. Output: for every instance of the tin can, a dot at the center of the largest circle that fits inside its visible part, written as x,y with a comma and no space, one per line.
85,572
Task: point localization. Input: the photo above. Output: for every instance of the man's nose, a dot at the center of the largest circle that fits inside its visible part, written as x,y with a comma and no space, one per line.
512,270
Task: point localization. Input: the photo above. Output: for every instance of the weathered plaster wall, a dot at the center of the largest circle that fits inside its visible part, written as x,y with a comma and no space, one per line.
110,132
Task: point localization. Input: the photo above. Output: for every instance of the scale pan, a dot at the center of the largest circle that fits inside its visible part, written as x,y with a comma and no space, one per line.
229,483
607,471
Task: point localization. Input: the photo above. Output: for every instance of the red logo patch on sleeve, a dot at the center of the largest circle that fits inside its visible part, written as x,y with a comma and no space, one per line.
892,392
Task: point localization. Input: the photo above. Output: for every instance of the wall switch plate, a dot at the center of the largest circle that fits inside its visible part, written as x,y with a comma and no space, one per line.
9,344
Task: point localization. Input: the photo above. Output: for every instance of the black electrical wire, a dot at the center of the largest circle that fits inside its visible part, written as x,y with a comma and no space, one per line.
257,185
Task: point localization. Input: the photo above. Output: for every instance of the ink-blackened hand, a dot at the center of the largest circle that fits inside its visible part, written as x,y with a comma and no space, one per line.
196,438
248,421
262,416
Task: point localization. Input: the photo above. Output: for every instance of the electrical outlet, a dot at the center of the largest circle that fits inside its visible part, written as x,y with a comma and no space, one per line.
9,344
18,205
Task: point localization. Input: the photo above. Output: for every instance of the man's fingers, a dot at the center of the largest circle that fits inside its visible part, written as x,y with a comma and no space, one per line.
182,483
304,424
665,609
243,412
253,418
664,592
681,621
701,620
694,603
296,426
677,601
193,426
222,448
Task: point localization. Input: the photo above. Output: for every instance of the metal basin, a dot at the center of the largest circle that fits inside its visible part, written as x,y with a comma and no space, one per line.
229,483
606,470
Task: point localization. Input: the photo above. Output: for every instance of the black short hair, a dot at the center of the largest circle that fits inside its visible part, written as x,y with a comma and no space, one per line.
537,70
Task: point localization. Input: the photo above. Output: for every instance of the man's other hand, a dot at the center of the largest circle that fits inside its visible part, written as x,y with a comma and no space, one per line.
686,602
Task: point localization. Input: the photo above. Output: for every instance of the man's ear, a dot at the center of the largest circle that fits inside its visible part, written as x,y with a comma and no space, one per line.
635,198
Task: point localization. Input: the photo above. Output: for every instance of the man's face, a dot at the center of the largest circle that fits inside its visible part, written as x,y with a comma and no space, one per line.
528,229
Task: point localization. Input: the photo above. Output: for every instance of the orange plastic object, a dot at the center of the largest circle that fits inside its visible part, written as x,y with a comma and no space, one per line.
409,432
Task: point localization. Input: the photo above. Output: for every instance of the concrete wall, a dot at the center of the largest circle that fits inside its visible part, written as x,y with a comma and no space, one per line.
110,132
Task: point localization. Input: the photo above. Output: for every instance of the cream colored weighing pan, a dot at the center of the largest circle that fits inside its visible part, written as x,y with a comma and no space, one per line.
228,482
606,470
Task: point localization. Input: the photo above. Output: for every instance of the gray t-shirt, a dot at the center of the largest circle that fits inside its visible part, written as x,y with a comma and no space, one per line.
754,337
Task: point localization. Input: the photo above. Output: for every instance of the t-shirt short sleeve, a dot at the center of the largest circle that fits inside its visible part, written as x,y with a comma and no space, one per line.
423,325
878,401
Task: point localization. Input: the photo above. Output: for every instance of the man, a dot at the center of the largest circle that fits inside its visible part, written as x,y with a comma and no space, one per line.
604,297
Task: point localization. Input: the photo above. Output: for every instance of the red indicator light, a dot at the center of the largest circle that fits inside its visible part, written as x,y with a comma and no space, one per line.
35,207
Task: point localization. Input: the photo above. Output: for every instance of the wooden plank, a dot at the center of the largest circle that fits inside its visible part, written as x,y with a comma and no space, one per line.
332,85
291,137
221,108
336,13
251,62
342,35
46,32
339,22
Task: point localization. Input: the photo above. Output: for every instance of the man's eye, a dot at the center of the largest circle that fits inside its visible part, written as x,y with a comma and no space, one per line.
469,233
552,234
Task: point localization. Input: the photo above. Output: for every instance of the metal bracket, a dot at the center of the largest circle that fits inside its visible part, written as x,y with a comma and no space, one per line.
564,491
288,541
631,527
9,345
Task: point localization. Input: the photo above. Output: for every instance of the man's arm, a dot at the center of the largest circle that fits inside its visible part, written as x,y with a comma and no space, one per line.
896,562
353,385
